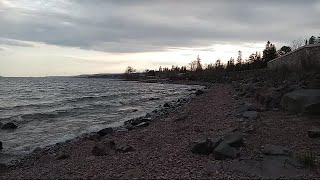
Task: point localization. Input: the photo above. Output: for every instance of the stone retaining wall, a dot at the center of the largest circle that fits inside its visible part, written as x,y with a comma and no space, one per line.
303,58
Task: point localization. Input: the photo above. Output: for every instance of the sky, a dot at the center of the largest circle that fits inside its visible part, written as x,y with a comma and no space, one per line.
71,37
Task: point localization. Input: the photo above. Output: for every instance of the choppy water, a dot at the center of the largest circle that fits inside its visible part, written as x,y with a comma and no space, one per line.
51,110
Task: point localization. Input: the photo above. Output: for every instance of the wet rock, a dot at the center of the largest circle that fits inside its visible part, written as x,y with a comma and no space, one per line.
299,100
314,133
105,131
1,145
201,146
146,119
271,149
123,148
9,125
143,124
103,149
250,114
129,127
154,98
199,92
166,105
135,122
234,139
224,151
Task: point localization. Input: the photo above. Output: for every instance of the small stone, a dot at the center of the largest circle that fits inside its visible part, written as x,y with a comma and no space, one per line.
105,131
143,124
250,114
123,147
271,149
9,125
314,133
1,145
62,156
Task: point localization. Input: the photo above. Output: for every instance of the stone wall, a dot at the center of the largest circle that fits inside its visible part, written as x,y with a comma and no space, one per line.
303,58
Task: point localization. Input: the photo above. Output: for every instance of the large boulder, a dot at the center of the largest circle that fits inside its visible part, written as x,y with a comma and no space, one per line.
143,124
301,101
9,125
201,146
204,145
105,131
234,139
271,149
224,151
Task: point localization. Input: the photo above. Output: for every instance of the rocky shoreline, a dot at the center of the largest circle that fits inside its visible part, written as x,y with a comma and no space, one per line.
128,125
223,132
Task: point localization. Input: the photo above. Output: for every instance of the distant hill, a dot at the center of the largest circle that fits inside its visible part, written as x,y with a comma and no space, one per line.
107,76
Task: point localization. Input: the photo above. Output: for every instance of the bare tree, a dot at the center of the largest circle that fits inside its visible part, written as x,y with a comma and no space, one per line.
130,70
295,44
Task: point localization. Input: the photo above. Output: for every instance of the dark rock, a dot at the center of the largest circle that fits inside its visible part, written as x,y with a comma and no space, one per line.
199,92
9,125
154,98
94,137
314,133
3,168
145,119
1,147
143,124
134,110
123,148
201,146
62,156
300,101
271,149
313,109
166,105
250,114
234,139
129,127
224,151
103,149
136,121
105,131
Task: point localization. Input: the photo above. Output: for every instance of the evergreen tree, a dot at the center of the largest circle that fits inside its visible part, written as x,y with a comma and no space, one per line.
269,53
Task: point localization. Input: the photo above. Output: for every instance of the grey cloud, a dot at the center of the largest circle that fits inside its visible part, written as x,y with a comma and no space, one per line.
146,25
12,42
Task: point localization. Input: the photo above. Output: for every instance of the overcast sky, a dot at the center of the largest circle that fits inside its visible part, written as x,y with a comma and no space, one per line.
68,37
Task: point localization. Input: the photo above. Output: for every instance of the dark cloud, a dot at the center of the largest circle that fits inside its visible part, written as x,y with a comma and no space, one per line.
146,25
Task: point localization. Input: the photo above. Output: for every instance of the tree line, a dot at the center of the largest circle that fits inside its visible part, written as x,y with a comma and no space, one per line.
196,70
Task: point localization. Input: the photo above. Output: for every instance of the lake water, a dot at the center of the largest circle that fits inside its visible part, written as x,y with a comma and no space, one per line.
52,110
